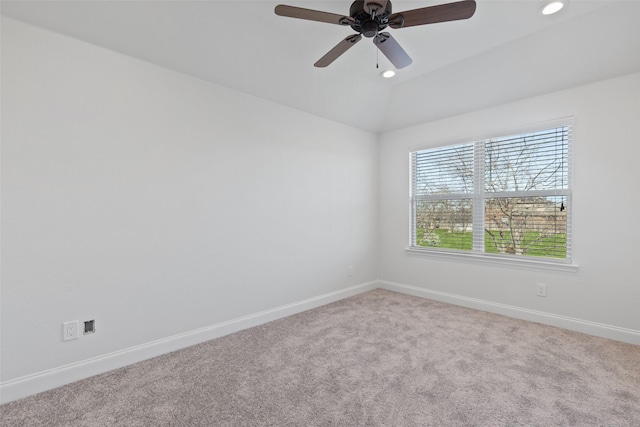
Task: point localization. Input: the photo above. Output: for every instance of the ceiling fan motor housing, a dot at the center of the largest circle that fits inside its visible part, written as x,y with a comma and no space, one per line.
366,23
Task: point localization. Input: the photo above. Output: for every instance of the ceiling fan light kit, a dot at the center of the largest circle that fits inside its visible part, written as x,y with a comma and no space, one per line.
370,17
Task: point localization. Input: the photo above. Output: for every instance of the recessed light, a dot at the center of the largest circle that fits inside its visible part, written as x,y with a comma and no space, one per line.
387,74
552,7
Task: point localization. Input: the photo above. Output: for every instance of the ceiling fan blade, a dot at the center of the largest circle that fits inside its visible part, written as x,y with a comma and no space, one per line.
375,6
312,15
392,50
433,14
338,50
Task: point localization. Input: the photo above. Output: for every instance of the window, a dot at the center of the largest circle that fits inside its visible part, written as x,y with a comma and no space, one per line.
507,197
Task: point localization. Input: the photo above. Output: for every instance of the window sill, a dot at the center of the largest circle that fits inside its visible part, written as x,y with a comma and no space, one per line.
541,264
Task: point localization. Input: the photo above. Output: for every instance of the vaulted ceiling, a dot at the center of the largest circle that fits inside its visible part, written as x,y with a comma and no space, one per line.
506,51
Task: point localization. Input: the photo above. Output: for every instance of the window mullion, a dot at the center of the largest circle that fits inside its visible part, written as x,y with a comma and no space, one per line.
412,199
478,197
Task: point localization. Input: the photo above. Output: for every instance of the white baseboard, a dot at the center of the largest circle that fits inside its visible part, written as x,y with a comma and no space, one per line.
630,336
52,378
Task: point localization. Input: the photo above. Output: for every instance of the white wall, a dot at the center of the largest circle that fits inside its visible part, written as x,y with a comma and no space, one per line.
604,295
158,204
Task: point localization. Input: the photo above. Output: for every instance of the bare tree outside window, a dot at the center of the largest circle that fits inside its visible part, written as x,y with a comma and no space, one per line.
520,225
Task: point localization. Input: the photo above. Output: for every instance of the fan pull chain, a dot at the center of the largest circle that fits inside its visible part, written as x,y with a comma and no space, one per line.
377,58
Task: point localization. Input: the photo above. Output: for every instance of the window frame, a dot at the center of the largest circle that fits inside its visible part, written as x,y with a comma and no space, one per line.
479,196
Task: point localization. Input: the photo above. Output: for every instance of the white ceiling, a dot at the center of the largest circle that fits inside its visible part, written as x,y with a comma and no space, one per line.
506,51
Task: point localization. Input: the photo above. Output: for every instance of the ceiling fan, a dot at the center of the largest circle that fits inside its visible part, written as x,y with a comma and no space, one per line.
369,17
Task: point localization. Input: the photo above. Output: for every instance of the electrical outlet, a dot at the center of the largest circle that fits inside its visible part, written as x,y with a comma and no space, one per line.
350,270
70,330
541,290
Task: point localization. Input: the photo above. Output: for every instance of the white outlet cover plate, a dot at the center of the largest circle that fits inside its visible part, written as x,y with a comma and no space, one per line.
70,330
542,290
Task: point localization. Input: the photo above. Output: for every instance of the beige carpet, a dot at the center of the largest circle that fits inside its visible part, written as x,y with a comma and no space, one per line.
376,359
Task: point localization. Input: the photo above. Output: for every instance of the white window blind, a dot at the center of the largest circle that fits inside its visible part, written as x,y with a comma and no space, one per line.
508,196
